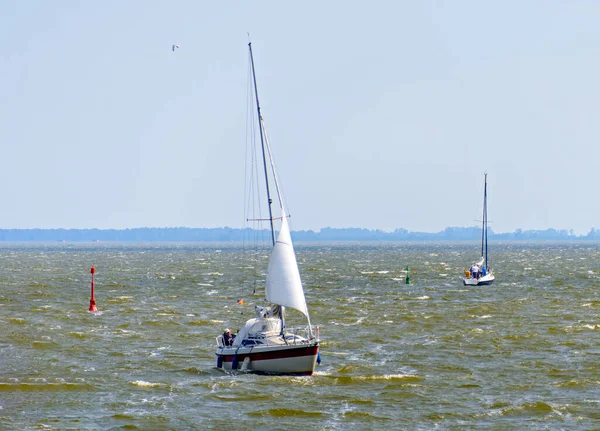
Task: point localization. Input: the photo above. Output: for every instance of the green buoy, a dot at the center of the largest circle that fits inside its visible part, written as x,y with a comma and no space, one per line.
407,276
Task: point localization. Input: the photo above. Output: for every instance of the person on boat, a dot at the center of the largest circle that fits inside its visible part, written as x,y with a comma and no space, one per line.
476,271
473,271
228,337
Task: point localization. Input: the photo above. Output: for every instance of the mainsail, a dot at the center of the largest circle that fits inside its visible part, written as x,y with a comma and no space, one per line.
284,286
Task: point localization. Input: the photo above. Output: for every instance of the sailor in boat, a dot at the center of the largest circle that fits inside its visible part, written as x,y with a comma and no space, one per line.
228,337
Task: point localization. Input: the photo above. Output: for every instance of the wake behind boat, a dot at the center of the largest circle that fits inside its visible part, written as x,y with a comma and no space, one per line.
480,273
265,344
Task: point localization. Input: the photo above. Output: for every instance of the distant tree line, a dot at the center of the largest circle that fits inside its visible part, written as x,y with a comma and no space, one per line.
226,234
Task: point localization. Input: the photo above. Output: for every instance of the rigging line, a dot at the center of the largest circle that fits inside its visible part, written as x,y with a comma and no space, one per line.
257,231
260,129
251,164
483,223
278,183
275,176
254,235
247,149
260,232
255,163
257,190
487,263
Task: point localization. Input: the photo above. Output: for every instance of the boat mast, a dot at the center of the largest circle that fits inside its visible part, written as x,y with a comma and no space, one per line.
485,232
262,143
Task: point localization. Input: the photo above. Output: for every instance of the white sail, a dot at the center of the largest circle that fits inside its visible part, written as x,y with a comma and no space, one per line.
284,286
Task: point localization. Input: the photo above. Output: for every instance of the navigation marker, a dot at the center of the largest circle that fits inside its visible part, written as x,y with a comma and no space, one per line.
92,300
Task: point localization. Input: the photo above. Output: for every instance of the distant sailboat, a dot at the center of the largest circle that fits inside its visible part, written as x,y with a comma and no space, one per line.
480,273
265,344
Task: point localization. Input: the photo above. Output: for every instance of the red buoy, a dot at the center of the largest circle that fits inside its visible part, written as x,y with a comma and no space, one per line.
92,300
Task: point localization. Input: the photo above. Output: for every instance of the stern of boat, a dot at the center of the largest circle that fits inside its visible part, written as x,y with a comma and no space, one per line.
481,281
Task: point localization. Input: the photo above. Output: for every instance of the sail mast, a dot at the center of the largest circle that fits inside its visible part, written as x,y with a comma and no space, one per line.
270,201
485,221
262,143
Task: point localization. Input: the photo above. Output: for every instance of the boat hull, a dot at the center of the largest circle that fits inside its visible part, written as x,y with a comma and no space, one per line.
481,281
286,359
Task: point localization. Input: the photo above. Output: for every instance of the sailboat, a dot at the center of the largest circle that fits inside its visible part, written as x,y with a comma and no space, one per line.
480,273
265,344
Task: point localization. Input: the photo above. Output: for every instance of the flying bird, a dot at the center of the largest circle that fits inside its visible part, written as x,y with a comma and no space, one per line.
174,47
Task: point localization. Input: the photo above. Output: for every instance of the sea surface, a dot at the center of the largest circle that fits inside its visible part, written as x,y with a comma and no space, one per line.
522,354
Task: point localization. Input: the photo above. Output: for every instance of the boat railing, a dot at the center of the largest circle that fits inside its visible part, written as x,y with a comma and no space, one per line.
302,334
220,342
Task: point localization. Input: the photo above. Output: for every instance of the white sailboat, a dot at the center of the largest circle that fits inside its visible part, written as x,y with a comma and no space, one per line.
265,344
480,273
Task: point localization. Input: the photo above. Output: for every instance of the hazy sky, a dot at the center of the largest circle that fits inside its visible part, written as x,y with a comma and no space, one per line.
381,114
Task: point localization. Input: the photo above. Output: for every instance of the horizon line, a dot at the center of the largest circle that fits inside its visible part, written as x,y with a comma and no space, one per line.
570,231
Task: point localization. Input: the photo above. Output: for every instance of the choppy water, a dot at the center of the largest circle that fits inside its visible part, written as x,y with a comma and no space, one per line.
521,354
